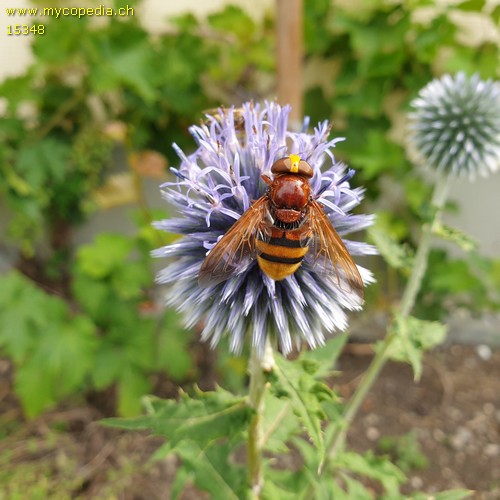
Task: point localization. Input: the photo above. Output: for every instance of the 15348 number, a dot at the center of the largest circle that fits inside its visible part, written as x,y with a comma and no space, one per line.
26,29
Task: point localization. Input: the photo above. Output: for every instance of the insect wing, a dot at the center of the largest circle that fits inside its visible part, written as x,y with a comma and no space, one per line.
236,249
330,254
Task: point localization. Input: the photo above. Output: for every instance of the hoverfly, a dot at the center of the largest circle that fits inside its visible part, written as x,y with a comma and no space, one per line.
279,229
220,113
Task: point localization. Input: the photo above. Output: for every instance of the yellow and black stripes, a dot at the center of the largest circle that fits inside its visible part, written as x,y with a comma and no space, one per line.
281,255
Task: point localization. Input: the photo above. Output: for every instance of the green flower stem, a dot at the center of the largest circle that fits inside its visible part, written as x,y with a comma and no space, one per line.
256,368
420,265
407,303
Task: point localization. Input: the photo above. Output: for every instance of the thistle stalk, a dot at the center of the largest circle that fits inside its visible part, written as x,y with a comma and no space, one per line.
256,368
455,130
407,303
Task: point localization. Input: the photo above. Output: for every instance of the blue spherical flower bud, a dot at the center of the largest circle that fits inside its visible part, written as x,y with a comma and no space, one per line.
455,125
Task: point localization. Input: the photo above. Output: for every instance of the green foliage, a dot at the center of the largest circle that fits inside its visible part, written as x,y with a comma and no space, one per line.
108,342
211,471
297,383
412,337
405,450
464,241
374,467
53,349
394,254
55,146
204,430
94,97
210,416
469,283
240,35
204,433
109,285
380,55
300,384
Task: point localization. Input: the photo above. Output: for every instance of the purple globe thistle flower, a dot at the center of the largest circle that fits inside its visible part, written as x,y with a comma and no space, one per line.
215,185
455,125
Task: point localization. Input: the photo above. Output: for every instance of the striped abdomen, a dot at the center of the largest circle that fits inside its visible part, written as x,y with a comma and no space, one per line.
282,254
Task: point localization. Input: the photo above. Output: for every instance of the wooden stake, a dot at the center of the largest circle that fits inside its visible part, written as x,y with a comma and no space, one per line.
289,26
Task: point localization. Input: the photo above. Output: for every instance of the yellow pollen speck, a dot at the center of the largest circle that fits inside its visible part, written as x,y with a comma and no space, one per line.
294,163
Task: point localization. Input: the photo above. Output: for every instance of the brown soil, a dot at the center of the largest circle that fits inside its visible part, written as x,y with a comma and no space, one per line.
454,413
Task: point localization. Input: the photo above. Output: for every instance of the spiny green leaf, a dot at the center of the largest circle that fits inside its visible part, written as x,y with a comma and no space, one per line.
371,466
182,477
306,483
285,484
394,254
305,393
355,489
413,337
213,415
212,470
279,424
326,356
273,491
464,241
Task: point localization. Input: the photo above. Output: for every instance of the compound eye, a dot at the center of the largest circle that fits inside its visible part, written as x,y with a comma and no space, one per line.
292,165
305,169
281,166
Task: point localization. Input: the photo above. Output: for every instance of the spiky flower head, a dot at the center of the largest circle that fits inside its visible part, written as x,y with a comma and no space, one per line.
455,125
215,185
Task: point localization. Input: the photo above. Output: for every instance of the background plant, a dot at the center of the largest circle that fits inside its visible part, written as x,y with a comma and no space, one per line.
84,129
379,56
